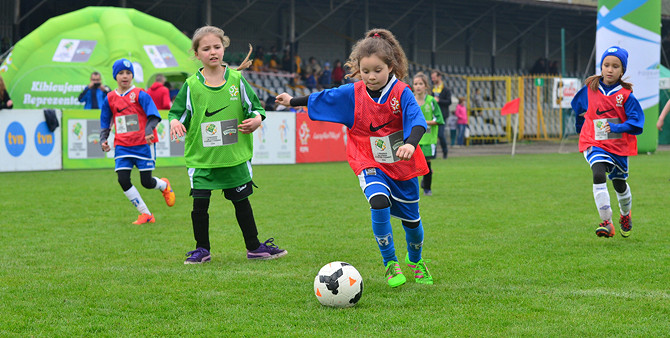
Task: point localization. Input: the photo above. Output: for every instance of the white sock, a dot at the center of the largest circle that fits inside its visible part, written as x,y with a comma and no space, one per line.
160,184
602,198
625,201
135,198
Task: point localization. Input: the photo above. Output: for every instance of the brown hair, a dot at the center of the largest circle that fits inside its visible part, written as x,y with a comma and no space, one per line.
2,88
593,81
218,32
425,80
383,44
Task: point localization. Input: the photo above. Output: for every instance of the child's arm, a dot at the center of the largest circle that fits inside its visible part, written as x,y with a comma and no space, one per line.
414,125
437,112
661,118
634,118
180,113
254,111
331,105
580,104
105,125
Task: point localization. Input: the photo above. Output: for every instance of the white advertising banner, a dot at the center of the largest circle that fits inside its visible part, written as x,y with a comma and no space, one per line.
564,91
274,140
26,143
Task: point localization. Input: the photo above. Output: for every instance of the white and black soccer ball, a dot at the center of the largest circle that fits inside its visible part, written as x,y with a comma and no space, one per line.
338,284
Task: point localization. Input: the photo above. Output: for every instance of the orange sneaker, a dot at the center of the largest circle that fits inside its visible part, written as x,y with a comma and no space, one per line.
168,194
145,218
605,229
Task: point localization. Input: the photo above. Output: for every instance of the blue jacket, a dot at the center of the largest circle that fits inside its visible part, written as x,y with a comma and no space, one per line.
86,96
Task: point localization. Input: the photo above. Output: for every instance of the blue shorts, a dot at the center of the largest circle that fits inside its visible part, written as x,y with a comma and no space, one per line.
143,157
403,195
618,168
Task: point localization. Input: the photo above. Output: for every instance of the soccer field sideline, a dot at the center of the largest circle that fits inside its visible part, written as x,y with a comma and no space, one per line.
511,243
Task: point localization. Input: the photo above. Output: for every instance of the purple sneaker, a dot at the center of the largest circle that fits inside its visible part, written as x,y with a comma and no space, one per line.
198,256
267,250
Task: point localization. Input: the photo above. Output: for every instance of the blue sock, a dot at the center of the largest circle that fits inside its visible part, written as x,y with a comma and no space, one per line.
381,228
414,239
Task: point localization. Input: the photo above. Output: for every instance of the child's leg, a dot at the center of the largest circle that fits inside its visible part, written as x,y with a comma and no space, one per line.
623,195
131,192
600,192
414,238
381,226
428,178
247,223
200,217
151,182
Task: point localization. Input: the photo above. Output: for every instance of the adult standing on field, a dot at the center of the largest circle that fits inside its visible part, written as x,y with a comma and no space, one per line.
160,93
442,95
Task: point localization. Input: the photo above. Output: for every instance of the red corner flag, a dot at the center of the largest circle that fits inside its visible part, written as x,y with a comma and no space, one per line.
511,107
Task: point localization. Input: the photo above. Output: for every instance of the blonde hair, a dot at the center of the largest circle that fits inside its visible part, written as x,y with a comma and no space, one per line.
384,45
593,81
218,32
424,78
461,100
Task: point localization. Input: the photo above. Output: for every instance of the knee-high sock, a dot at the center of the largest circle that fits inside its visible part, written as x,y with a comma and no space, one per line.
381,228
428,178
245,219
625,201
160,184
414,237
200,219
602,198
135,198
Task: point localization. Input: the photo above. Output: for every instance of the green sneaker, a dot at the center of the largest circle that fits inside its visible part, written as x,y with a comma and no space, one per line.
421,273
394,275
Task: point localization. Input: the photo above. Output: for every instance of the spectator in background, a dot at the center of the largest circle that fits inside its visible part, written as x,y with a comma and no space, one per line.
462,122
94,93
258,66
338,74
5,101
540,66
442,95
477,101
160,94
313,67
553,67
286,61
310,80
298,63
325,77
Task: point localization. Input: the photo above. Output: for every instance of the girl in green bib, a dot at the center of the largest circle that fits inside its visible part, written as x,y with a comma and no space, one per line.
218,111
434,120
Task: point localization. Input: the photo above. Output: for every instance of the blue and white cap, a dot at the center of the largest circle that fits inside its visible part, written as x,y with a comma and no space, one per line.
619,52
120,65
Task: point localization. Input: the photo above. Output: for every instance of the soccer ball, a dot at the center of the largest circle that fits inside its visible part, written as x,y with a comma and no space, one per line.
338,284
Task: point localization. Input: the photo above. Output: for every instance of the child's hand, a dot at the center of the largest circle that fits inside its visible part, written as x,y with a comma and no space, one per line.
607,127
405,152
659,124
248,126
177,129
284,99
150,138
105,146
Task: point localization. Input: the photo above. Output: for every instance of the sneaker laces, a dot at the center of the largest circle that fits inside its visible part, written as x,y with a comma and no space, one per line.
422,266
193,253
269,244
392,270
625,222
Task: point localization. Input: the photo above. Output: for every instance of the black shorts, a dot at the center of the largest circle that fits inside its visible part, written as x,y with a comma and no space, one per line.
231,194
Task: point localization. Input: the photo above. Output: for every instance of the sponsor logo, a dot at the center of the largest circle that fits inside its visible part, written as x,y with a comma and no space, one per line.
380,144
395,105
598,112
229,131
208,114
371,171
384,240
120,110
15,139
44,139
416,246
211,129
77,130
240,188
619,100
132,97
374,129
233,91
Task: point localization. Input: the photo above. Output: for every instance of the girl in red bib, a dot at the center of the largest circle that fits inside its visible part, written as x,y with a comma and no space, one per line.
385,126
608,118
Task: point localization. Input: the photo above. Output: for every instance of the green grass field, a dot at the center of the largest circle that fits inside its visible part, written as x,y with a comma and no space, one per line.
511,241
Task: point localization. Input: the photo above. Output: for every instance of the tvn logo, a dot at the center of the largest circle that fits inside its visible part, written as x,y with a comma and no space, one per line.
15,140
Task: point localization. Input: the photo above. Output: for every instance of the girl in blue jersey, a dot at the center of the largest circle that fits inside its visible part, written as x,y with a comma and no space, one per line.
385,126
135,118
608,117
